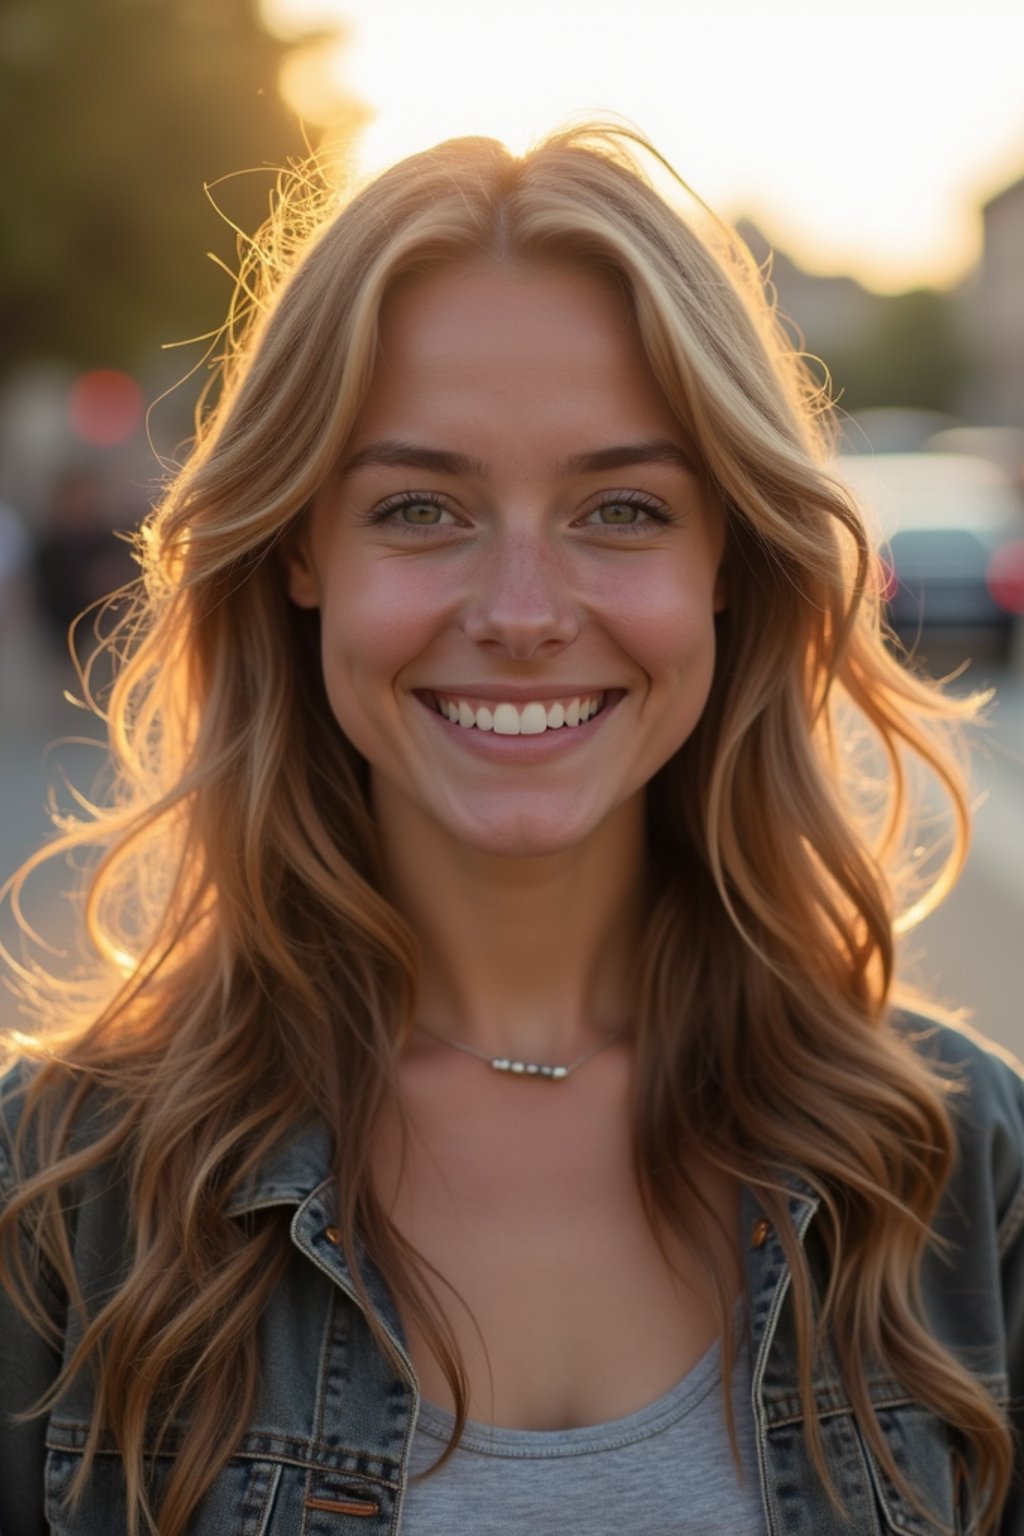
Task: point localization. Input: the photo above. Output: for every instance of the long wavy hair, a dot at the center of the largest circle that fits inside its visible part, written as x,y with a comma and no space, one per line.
250,975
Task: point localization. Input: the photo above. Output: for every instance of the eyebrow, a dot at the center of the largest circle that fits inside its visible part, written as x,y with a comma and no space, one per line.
393,453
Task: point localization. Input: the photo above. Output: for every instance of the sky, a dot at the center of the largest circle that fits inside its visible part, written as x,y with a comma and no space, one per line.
862,135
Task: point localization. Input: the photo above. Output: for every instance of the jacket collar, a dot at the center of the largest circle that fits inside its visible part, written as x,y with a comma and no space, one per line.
289,1174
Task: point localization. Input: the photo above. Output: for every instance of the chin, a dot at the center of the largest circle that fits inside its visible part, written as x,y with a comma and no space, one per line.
522,836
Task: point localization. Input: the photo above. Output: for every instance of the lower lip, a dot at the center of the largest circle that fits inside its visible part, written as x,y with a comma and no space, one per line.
523,749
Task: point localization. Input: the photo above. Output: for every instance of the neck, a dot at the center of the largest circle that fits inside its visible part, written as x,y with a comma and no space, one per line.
531,957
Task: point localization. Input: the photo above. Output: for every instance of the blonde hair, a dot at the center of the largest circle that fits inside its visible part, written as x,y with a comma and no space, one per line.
239,884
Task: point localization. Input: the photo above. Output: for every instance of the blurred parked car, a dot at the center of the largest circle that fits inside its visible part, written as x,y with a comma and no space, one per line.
951,536
1003,445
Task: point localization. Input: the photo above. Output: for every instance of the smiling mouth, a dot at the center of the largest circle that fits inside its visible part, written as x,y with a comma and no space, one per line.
529,719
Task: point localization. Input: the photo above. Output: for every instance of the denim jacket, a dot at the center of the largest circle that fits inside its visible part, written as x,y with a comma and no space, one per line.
326,1451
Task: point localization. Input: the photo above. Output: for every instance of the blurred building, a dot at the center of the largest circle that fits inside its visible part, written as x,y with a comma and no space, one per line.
998,308
830,312
890,350
959,353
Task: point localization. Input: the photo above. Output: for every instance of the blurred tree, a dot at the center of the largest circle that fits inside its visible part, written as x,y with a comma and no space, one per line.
910,355
113,114
904,349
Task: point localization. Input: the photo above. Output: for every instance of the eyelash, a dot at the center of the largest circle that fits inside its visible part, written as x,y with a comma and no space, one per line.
656,511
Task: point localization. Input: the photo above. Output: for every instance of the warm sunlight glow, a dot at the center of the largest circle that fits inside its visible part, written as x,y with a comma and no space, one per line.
862,136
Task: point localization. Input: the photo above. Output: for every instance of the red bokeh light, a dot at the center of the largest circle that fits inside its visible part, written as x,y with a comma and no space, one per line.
105,407
1005,576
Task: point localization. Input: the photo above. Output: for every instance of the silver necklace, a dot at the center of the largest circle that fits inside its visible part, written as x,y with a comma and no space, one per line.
552,1074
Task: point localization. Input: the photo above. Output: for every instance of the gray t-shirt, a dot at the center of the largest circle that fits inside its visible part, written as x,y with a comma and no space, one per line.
664,1471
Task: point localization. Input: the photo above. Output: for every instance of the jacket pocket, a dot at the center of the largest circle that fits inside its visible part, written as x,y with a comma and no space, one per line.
335,1503
239,1503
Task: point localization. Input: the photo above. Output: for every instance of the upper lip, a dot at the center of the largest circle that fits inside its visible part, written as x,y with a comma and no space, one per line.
519,693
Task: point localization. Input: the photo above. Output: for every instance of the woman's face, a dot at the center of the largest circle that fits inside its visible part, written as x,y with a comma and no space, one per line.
516,539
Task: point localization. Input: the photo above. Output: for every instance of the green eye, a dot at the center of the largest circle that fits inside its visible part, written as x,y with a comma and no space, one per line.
631,511
414,512
421,513
618,512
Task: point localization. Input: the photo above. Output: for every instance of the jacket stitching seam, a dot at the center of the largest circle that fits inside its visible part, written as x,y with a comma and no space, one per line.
324,1364
1011,1224
277,1458
268,1496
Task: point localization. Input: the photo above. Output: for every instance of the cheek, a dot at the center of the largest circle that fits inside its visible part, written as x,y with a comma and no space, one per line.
666,625
665,618
374,624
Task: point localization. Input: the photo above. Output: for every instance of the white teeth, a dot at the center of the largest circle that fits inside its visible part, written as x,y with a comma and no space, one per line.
506,720
532,719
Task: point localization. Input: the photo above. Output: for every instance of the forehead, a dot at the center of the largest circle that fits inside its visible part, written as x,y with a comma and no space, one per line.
546,342
472,289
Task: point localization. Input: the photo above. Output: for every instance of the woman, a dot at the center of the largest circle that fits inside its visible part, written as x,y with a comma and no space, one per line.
499,1119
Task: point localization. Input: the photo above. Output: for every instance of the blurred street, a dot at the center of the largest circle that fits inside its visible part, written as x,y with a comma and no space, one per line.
969,953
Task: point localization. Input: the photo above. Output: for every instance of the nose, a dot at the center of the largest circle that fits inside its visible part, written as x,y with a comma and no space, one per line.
522,603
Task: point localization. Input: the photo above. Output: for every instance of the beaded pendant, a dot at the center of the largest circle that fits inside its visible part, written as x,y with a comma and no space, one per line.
529,1069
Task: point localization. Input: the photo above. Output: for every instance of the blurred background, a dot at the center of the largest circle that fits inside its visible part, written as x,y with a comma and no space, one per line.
871,154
